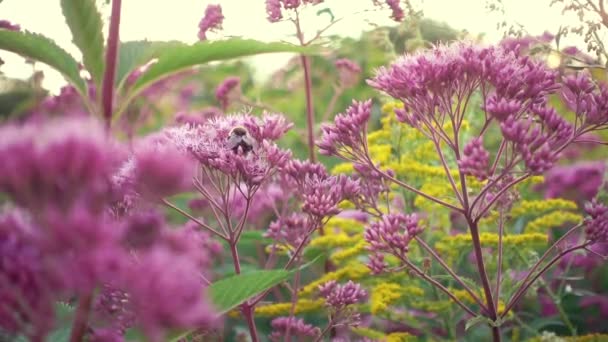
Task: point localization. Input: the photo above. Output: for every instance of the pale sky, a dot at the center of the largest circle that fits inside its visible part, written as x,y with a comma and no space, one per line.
178,20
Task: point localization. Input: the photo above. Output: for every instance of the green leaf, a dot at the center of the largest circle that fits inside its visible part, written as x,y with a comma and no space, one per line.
133,54
230,292
180,58
43,49
84,21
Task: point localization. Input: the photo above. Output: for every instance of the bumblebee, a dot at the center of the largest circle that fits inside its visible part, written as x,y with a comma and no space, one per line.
239,138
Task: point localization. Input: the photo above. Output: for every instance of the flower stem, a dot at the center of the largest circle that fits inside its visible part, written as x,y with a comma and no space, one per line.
310,114
110,69
246,308
247,311
79,326
481,268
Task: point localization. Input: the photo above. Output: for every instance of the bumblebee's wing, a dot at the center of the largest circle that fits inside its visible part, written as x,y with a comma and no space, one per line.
233,141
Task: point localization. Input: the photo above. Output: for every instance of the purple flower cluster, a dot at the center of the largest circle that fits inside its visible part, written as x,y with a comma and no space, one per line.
392,234
475,159
397,13
62,240
337,296
291,229
349,72
579,182
60,163
596,226
346,138
273,7
515,90
588,99
296,326
320,192
228,91
7,25
211,21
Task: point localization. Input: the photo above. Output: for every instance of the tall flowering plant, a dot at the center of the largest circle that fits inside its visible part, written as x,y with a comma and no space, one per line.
436,89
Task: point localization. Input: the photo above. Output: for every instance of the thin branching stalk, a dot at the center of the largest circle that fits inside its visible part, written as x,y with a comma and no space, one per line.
526,285
447,268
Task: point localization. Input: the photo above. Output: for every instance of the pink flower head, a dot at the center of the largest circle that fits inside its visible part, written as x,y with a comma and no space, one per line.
170,296
290,230
211,21
349,72
25,292
475,159
338,296
347,135
587,98
57,163
273,7
597,223
7,25
397,12
228,91
320,192
392,234
517,92
579,181
296,326
161,169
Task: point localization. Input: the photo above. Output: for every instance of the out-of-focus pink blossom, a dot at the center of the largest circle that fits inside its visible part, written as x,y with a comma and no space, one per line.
212,20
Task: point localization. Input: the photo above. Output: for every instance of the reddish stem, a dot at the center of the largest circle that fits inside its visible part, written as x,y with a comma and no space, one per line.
79,326
310,114
483,275
110,70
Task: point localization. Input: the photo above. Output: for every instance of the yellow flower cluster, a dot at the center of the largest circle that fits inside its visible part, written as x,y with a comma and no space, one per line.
380,153
382,337
348,253
455,243
551,220
342,168
368,332
383,295
536,207
349,226
280,309
352,271
331,240
400,337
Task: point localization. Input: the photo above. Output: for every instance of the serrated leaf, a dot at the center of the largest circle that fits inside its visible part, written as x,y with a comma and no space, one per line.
84,21
133,54
45,50
180,58
228,293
